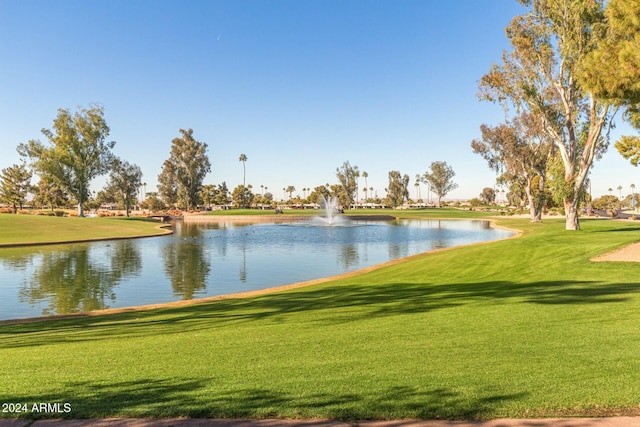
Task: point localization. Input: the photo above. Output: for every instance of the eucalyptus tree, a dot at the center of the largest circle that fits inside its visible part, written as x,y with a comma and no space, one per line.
540,76
440,179
183,172
398,188
348,177
124,181
78,151
15,184
47,193
519,150
488,196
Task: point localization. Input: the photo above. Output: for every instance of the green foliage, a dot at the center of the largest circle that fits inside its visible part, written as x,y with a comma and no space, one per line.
242,197
629,148
488,196
153,203
348,178
440,179
318,193
78,152
47,193
397,189
124,181
183,172
612,70
15,184
540,76
606,202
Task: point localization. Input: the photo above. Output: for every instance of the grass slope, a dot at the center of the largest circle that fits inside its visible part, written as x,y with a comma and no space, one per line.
523,327
42,229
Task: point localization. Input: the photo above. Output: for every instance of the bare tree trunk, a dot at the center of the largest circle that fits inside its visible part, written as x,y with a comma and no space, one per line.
80,210
571,215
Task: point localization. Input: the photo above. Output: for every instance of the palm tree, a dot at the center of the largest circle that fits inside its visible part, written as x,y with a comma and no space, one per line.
620,191
610,190
290,190
243,159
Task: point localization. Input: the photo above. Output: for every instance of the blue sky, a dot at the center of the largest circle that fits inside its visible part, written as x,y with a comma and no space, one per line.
298,86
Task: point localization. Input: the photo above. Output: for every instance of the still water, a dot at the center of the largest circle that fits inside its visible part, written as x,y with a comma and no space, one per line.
201,260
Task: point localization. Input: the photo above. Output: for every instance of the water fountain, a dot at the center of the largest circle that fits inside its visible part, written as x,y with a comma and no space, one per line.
330,205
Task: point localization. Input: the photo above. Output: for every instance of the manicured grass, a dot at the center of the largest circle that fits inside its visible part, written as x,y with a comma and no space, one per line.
41,229
523,327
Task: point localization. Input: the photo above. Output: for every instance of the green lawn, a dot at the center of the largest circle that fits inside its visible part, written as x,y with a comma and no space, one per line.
524,327
42,229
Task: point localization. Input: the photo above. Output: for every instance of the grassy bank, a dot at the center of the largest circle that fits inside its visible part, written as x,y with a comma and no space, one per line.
16,229
523,327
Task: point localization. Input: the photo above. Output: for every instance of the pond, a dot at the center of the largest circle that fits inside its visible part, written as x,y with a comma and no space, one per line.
201,260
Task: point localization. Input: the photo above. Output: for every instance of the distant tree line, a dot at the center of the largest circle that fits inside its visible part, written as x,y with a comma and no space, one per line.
77,150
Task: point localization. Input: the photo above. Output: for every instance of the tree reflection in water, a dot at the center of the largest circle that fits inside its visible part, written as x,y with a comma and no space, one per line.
185,263
79,280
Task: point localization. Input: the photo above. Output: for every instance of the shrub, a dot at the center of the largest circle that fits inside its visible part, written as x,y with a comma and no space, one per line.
6,210
60,213
23,212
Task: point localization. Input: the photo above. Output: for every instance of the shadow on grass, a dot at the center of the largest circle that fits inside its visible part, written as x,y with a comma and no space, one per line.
206,399
324,305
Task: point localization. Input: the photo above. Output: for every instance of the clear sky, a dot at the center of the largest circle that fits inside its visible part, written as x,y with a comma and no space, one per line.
299,86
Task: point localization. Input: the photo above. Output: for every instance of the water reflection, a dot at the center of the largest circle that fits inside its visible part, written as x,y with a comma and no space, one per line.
185,263
208,260
77,280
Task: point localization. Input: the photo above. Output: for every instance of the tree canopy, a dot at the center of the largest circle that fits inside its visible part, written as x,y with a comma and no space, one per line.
348,177
15,183
540,75
78,151
124,181
183,172
440,179
397,188
519,150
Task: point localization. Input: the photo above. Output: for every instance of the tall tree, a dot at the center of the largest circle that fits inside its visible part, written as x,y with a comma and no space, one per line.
243,159
183,172
612,70
242,196
348,177
47,193
15,184
290,189
398,188
124,181
519,150
440,179
488,196
77,154
318,193
539,75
